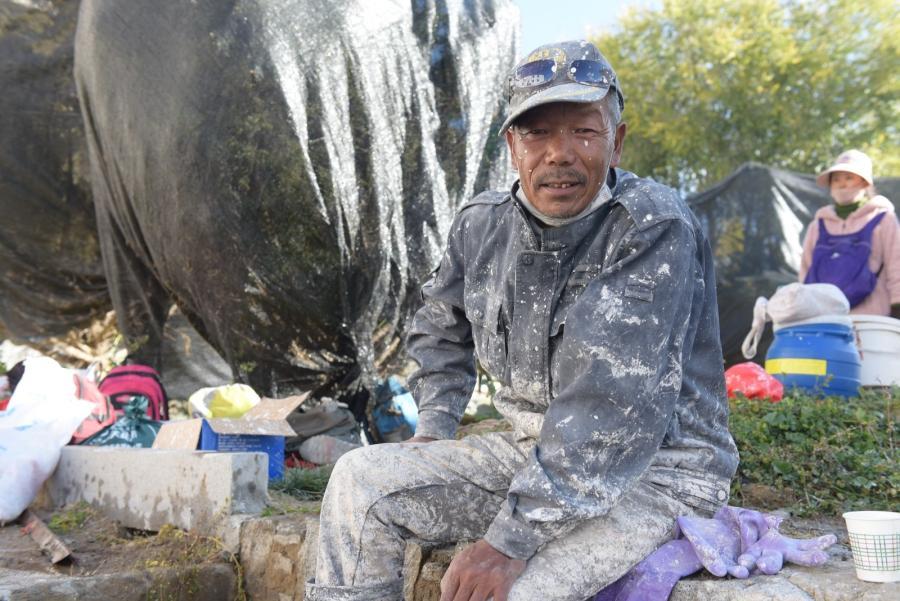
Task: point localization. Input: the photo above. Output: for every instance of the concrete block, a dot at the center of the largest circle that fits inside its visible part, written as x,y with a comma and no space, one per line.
148,488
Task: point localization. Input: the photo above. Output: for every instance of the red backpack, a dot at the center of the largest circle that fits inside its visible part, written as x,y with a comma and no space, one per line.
126,381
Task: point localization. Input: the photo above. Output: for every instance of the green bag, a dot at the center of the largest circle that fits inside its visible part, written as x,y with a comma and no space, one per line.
134,429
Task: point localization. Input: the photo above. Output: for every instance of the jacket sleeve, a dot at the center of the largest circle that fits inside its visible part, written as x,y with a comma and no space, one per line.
809,243
891,241
440,342
624,343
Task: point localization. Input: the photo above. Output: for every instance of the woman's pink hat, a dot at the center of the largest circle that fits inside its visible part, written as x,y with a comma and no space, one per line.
852,161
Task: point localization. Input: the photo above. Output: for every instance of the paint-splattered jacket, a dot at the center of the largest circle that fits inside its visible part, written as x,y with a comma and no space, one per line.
605,336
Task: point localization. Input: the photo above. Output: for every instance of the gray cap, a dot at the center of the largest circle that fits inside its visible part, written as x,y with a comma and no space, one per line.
573,71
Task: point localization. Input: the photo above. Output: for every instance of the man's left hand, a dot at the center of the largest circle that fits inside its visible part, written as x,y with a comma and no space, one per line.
479,573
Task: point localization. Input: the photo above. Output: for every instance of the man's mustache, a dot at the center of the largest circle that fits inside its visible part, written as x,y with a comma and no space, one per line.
560,175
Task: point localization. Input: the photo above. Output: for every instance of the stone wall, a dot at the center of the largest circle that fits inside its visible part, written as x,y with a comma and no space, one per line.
278,556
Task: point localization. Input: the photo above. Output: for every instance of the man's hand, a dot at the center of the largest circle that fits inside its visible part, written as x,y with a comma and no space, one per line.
419,439
479,573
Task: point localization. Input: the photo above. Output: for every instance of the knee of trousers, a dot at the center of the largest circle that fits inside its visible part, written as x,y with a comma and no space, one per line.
366,475
353,468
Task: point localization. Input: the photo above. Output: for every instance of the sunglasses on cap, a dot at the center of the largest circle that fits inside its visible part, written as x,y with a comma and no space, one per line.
541,72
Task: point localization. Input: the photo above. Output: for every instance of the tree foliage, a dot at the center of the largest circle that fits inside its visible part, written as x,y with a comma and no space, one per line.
710,85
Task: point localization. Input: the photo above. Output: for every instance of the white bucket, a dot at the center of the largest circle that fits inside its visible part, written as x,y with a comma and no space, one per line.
875,542
878,340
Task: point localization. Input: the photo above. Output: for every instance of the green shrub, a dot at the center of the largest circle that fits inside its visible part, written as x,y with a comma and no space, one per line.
821,456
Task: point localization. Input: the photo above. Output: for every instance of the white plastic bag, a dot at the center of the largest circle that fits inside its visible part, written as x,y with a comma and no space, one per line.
794,304
42,414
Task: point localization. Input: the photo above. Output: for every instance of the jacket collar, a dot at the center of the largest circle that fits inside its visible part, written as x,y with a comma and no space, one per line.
877,203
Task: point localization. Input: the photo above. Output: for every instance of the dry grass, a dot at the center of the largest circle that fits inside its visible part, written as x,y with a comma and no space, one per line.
98,344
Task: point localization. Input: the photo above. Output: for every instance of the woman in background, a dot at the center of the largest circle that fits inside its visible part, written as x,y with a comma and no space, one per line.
855,242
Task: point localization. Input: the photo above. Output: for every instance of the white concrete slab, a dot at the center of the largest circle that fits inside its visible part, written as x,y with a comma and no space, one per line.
148,488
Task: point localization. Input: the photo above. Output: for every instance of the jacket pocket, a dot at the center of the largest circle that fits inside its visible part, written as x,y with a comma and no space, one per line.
639,288
581,276
488,333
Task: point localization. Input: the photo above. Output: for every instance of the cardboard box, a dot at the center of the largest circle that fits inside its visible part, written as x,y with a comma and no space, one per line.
262,430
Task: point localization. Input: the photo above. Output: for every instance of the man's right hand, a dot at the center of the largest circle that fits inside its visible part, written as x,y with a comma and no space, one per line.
419,439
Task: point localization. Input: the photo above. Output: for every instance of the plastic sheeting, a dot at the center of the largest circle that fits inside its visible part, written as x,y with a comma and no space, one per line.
286,170
51,275
755,220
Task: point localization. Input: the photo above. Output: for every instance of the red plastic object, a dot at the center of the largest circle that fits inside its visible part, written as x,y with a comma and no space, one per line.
293,459
751,380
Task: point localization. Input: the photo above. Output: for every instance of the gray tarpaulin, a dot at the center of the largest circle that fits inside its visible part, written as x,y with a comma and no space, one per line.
286,171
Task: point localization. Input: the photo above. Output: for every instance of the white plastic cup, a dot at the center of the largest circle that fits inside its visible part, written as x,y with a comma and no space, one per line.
875,542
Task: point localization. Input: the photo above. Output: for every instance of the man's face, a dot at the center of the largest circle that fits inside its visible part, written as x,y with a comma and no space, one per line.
562,152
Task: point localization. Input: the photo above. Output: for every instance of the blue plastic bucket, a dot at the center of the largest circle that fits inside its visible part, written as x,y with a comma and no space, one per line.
820,358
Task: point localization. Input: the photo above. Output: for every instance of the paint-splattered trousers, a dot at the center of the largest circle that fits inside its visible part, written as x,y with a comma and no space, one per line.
381,496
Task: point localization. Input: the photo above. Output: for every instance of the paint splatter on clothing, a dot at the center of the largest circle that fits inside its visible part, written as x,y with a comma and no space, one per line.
605,336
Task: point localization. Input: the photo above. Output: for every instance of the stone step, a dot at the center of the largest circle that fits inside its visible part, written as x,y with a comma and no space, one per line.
215,582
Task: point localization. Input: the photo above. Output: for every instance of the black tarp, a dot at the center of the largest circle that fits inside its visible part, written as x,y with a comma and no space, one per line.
286,171
755,220
51,275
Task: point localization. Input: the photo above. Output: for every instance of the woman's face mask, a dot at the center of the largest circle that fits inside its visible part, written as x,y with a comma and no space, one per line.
845,196
847,187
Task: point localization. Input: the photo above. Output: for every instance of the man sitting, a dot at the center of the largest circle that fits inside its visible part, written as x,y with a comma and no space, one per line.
589,293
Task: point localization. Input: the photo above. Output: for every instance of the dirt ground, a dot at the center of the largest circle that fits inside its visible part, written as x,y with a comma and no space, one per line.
101,546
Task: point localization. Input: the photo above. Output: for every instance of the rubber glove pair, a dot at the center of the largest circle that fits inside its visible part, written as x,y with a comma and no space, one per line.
736,541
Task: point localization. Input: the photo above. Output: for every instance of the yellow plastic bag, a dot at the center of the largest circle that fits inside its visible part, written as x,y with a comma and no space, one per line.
232,400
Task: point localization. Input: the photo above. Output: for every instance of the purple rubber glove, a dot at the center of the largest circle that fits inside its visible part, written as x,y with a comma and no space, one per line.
736,541
769,553
656,576
752,524
717,543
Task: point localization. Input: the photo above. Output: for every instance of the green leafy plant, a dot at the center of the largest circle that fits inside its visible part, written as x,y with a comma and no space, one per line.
822,456
305,484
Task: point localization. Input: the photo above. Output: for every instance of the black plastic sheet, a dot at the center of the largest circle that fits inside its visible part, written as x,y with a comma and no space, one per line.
286,171
51,275
755,220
